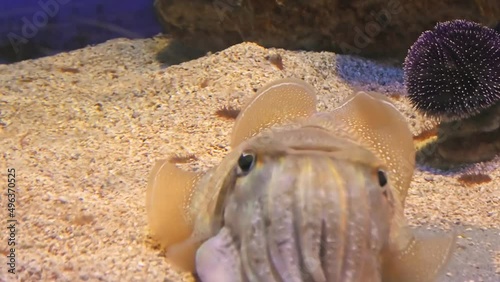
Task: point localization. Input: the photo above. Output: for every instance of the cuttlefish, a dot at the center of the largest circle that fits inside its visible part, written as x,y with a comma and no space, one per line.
301,196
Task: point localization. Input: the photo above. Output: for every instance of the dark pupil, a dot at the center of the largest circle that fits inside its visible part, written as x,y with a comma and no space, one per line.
245,162
382,179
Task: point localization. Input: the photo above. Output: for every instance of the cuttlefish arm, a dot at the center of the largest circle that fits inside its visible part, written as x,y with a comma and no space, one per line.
180,204
283,100
218,259
409,257
371,120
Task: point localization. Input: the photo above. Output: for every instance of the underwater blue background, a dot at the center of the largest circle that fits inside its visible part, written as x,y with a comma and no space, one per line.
51,26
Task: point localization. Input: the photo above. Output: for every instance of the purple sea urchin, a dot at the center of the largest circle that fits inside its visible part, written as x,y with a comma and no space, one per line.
453,71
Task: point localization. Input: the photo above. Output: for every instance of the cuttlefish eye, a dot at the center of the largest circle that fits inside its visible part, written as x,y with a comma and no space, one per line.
246,162
382,178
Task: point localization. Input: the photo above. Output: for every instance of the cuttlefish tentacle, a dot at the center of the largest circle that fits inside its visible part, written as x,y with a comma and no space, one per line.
371,120
281,101
168,199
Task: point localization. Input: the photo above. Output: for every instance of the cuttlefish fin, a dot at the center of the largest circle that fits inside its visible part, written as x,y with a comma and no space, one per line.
278,102
372,120
168,199
422,259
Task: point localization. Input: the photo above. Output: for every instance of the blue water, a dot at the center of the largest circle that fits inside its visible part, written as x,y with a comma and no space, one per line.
45,27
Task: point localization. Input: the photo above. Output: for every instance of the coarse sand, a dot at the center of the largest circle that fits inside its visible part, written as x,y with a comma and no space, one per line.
83,130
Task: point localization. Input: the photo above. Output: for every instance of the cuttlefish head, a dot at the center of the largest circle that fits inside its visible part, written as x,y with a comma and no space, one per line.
366,132
300,201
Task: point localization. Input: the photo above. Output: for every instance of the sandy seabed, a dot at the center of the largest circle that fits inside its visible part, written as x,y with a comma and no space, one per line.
83,130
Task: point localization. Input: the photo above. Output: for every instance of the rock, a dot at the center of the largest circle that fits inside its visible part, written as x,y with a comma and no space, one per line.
473,139
373,28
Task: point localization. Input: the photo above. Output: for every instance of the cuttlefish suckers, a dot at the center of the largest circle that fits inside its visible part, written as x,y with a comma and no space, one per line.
302,196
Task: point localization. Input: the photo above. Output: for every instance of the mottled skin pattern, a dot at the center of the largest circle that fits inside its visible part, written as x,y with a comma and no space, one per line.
303,196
